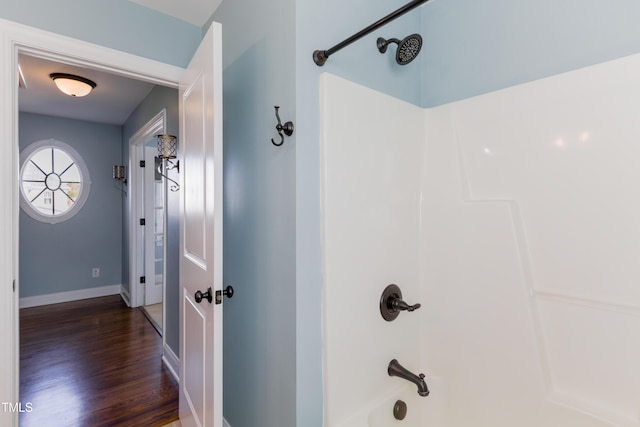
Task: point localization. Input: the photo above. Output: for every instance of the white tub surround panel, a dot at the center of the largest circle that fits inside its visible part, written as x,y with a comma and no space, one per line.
566,151
566,148
371,153
480,332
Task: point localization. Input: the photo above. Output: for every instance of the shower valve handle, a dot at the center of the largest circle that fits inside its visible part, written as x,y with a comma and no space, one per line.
391,303
399,304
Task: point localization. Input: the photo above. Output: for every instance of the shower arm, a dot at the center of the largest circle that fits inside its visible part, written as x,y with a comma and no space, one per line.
321,56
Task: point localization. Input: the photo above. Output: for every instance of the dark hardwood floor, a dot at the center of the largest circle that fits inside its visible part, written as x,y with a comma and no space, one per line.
93,363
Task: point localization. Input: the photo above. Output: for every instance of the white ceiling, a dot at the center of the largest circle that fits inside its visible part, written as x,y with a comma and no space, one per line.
196,12
112,101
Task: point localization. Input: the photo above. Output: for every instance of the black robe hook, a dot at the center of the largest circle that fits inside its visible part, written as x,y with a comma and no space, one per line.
287,128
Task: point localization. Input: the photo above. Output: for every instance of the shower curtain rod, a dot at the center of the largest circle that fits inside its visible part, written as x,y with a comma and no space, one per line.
321,56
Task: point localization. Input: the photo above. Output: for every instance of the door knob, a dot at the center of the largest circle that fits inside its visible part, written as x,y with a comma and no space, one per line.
199,296
228,292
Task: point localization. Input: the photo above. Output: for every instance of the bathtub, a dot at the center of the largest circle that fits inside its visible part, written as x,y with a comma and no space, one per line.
421,411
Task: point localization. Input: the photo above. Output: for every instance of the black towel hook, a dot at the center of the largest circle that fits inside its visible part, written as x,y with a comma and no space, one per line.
287,128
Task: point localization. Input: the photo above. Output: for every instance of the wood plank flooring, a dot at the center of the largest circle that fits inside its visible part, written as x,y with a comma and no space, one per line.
93,363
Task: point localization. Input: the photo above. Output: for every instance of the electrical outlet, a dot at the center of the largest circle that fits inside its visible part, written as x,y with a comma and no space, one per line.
95,272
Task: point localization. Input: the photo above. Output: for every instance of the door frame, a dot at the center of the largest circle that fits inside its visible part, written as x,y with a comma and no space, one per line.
18,38
158,124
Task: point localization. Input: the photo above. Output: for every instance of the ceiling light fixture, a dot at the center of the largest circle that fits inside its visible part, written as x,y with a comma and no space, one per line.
72,85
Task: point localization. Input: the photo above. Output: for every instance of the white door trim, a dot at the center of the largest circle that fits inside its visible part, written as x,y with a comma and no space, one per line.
15,38
135,202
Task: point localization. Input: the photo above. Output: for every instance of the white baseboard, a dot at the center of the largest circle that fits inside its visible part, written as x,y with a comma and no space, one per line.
225,423
68,296
124,293
171,361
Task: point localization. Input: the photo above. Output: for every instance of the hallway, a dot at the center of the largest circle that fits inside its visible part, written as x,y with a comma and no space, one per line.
93,363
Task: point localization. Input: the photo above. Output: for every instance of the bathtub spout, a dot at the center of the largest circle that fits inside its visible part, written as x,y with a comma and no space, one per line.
397,370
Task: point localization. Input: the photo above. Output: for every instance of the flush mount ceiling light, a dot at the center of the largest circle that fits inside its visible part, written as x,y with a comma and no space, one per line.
72,85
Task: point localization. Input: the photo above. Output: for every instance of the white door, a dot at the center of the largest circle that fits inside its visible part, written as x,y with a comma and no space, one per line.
154,228
201,234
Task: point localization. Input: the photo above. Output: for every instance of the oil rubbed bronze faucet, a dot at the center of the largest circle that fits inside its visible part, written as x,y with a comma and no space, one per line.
391,303
397,370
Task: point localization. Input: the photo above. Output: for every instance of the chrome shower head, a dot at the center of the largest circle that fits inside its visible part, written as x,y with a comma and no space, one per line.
408,48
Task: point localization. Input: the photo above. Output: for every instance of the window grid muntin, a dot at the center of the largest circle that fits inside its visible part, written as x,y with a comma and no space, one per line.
49,201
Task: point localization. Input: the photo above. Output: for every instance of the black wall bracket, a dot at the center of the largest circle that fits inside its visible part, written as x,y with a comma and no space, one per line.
286,128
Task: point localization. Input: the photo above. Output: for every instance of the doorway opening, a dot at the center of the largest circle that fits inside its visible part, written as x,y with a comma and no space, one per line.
147,235
122,65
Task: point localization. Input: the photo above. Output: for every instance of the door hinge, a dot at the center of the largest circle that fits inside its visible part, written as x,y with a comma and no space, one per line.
142,163
143,221
143,279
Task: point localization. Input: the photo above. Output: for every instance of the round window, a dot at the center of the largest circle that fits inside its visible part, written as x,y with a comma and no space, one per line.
54,181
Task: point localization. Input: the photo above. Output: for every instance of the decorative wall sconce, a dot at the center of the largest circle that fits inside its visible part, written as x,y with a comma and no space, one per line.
119,174
167,150
287,128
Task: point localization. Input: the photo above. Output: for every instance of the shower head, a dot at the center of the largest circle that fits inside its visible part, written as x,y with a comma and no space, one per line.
408,48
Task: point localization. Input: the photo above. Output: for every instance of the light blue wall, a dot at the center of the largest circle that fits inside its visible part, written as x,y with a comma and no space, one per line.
474,47
118,24
59,257
259,213
159,98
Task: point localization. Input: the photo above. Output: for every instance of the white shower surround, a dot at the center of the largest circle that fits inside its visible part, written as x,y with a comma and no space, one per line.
514,219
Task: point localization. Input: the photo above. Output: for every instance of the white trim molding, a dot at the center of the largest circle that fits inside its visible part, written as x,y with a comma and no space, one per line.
124,294
69,296
28,206
9,362
171,361
135,206
56,47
